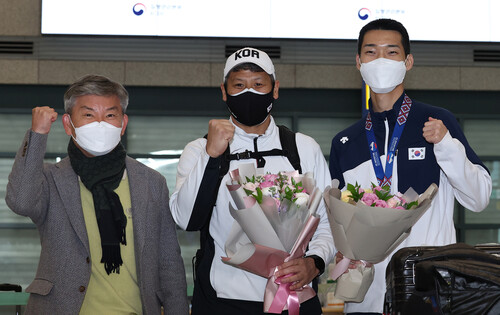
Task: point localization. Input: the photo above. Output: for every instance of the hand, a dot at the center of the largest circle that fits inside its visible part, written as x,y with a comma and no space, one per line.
42,119
434,130
220,132
352,264
302,271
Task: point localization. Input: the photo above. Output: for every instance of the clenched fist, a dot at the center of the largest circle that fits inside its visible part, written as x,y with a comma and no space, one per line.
220,132
42,119
434,130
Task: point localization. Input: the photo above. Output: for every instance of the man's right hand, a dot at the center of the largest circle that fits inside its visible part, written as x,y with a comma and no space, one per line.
220,132
42,119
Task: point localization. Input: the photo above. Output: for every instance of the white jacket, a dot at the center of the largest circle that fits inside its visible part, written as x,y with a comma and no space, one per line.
230,282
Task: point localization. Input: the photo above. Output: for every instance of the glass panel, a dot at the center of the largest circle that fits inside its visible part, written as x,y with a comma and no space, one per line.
148,134
19,254
474,237
285,121
166,167
58,139
12,130
490,215
6,215
13,127
483,136
323,129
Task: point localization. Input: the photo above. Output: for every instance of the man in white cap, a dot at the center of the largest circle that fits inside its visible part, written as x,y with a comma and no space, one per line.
201,202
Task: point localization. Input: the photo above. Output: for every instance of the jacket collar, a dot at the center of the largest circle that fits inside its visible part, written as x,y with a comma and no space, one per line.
246,139
391,114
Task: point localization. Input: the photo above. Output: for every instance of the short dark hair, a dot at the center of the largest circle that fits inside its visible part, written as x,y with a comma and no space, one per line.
247,66
386,25
92,84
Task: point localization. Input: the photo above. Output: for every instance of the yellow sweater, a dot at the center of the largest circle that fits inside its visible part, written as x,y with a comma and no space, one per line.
114,293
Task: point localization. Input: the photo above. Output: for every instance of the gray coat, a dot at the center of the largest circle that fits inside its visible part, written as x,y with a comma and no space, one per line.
50,195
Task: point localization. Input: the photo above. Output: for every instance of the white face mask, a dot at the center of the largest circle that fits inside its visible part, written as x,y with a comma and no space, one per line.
383,75
97,138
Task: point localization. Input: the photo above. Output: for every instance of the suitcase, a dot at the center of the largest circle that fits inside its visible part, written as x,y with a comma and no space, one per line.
441,279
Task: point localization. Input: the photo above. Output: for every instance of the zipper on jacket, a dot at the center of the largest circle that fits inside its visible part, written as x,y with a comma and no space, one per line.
386,142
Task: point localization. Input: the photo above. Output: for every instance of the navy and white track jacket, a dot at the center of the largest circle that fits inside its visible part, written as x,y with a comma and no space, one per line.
451,164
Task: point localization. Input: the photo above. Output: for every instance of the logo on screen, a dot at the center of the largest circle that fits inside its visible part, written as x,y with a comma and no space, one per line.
139,9
363,13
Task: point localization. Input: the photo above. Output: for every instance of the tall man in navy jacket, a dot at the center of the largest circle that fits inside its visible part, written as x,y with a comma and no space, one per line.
404,143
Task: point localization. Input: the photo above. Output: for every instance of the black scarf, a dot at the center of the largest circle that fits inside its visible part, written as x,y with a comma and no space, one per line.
101,175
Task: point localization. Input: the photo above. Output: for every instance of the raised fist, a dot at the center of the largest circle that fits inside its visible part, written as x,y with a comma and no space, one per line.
42,119
220,132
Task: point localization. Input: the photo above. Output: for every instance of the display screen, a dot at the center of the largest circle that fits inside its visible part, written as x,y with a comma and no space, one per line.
441,20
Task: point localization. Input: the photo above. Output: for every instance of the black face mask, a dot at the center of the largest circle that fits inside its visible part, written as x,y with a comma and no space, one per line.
250,109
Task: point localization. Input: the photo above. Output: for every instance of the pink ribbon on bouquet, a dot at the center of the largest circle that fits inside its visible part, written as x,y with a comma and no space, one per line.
263,262
278,296
284,296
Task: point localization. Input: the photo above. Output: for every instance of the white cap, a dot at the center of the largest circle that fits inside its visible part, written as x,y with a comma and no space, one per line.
250,55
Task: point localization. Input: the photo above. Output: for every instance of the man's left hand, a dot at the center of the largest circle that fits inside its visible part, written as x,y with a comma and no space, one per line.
434,130
302,271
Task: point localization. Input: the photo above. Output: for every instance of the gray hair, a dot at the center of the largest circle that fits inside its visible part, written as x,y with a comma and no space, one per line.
94,85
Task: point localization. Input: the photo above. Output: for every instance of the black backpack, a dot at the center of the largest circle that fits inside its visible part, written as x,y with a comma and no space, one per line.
201,220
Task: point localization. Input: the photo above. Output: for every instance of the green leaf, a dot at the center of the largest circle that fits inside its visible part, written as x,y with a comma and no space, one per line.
354,190
411,204
383,194
259,195
248,192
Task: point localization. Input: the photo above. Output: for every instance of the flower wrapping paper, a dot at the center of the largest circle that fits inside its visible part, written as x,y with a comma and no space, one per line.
255,245
369,234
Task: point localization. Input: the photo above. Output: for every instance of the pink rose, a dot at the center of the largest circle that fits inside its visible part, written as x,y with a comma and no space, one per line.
381,203
393,202
266,184
377,188
401,199
369,198
250,186
400,208
270,177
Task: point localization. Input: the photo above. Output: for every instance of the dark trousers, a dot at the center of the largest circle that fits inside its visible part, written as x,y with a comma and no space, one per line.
206,302
231,307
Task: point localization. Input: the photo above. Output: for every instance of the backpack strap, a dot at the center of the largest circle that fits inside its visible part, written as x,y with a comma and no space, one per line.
289,145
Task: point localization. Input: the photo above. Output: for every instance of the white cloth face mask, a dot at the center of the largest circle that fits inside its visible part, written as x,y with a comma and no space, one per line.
383,75
97,138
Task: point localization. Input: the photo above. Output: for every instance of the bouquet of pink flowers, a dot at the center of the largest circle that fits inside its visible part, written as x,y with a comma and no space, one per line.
367,225
275,218
290,209
379,197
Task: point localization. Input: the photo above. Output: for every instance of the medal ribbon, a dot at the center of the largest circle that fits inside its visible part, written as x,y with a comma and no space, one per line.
385,177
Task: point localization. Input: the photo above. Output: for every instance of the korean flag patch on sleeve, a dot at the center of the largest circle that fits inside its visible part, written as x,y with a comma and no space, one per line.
416,153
